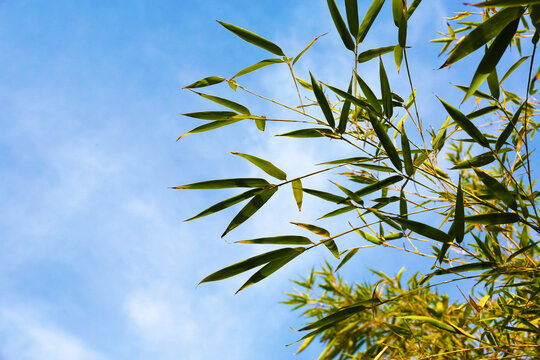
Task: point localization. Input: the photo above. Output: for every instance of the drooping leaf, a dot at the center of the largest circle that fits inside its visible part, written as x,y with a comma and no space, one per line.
347,96
350,254
251,208
250,263
385,91
481,112
374,53
497,188
501,140
370,96
261,124
304,84
513,68
477,93
350,194
423,229
313,228
459,215
279,240
340,25
257,66
369,18
412,7
465,124
297,57
402,32
211,115
491,58
477,161
344,117
397,11
264,165
483,265
226,203
372,239
298,193
225,102
332,247
379,185
210,126
483,33
341,314
224,184
493,84
492,218
374,167
341,210
393,236
307,133
352,160
253,38
325,195
207,81
351,9
407,158
403,208
386,142
323,103
398,56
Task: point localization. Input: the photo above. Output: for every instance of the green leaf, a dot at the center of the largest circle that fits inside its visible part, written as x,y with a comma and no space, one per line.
305,84
350,254
344,117
210,126
387,144
413,7
492,57
323,103
374,53
403,208
393,236
477,161
298,193
397,11
297,57
385,169
477,93
492,218
268,270
224,184
341,210
509,3
372,239
466,268
483,33
226,203
212,115
385,91
497,188
332,247
279,240
379,185
225,102
508,129
398,56
351,9
369,18
351,160
261,124
325,195
250,263
465,124
459,215
340,25
349,97
402,32
423,229
253,38
313,228
431,321
207,81
513,68
407,159
258,66
307,133
350,194
341,314
370,96
493,84
251,208
264,165
482,111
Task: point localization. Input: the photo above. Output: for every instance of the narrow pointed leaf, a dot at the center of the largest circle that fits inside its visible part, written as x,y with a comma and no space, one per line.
341,314
253,38
249,264
499,3
297,57
493,84
398,56
482,111
212,115
264,165
341,210
332,247
402,32
323,103
279,240
513,68
370,96
369,18
210,126
226,203
340,25
344,117
350,194
375,53
261,124
483,33
508,129
412,7
466,268
385,91
423,229
313,228
477,161
442,252
379,185
374,167
207,81
459,215
403,208
386,142
465,124
307,133
347,96
492,218
372,239
325,195
407,158
225,102
350,254
224,184
397,11
491,58
251,208
298,193
431,321
498,189
258,66
351,9
393,236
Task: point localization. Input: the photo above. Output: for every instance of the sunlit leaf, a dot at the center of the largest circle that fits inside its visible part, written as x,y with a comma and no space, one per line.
325,195
370,96
398,56
372,239
307,133
497,188
459,215
313,228
493,84
369,18
253,38
350,194
212,115
210,126
386,92
224,184
344,117
298,193
374,53
279,240
207,81
402,32
412,7
323,103
379,185
499,3
258,66
431,321
477,161
341,210
351,9
407,159
350,254
340,25
387,144
513,68
297,57
465,124
501,140
225,102
264,165
226,203
341,314
381,168
423,229
397,11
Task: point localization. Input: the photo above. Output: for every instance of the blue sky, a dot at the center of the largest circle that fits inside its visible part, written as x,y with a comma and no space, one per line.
95,260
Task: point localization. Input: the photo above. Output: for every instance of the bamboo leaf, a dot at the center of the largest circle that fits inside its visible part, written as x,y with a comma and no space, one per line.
385,169
459,215
402,32
431,321
413,7
370,96
297,57
257,66
224,184
508,129
508,3
344,117
207,81
251,208
349,97
466,268
369,18
350,254
379,185
386,142
393,236
226,203
340,25
264,165
493,84
313,228
513,68
279,240
491,58
465,124
477,161
385,91
351,9
483,33
482,111
261,124
403,208
323,103
497,188
332,247
210,126
398,56
211,115
492,218
372,239
253,38
341,314
423,229
350,194
225,102
374,53
250,263
307,133
325,195
397,11
298,193
407,158
341,210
